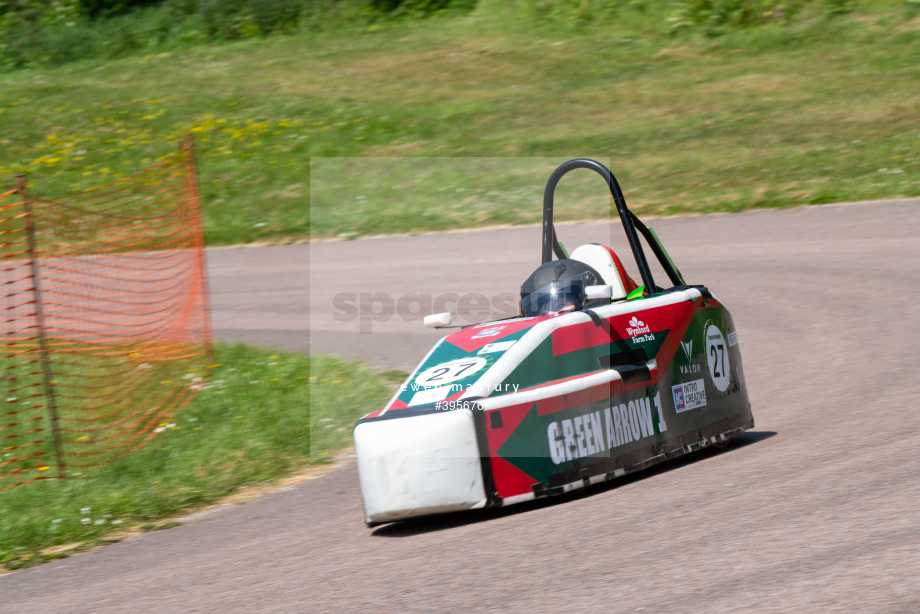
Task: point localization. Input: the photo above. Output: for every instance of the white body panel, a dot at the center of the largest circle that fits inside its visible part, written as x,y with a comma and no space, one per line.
418,465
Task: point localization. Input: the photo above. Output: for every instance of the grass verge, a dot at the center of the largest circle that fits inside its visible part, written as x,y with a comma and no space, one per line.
818,111
262,416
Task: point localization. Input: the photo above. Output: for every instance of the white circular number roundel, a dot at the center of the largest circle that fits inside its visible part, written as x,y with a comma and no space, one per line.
717,357
452,371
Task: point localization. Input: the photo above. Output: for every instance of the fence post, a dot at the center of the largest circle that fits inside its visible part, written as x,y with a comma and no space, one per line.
193,199
40,321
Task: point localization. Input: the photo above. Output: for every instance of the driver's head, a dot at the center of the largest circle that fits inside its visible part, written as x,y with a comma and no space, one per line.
557,286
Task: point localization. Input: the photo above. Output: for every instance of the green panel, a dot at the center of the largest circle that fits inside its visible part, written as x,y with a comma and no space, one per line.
553,443
704,382
542,366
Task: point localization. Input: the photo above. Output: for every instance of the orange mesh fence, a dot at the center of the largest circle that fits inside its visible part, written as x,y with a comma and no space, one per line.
105,326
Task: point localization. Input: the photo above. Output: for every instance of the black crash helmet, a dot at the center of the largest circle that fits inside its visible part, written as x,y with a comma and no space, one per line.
557,286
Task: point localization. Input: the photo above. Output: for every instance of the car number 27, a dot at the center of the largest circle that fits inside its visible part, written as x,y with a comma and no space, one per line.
717,357
448,372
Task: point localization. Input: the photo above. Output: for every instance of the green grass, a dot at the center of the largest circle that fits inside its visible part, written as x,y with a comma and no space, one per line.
262,416
780,115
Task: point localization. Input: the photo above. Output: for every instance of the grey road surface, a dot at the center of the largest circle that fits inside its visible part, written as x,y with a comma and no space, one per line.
815,510
260,295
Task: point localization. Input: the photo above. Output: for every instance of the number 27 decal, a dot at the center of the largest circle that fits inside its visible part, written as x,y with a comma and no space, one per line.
717,358
452,371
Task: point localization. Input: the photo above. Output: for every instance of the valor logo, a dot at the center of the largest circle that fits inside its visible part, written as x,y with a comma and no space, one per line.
688,349
691,368
689,395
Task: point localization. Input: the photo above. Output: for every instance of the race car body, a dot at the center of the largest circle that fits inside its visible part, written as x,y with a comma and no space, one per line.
544,403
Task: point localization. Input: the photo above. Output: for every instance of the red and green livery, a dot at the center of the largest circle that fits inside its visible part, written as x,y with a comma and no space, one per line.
619,378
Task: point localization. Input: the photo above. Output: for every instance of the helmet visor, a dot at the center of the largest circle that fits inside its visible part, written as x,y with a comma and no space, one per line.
557,297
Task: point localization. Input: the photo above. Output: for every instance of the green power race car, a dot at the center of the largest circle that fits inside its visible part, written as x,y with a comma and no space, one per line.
599,376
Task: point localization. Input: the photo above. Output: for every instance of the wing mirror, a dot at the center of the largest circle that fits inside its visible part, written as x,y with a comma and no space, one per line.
437,320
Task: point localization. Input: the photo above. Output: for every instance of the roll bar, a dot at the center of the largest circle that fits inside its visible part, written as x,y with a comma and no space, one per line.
630,224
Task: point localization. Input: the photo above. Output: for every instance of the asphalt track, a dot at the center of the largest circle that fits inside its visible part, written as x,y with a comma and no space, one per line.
815,510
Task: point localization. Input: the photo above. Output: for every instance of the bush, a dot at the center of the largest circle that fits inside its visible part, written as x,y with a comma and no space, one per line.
715,16
50,32
420,7
95,9
37,13
235,19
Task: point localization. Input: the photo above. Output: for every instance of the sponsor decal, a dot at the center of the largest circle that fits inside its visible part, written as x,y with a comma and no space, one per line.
691,368
689,395
602,430
678,393
717,357
637,327
688,349
639,331
489,332
732,339
494,348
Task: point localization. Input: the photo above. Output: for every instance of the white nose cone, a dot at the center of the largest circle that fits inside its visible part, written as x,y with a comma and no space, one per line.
419,465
